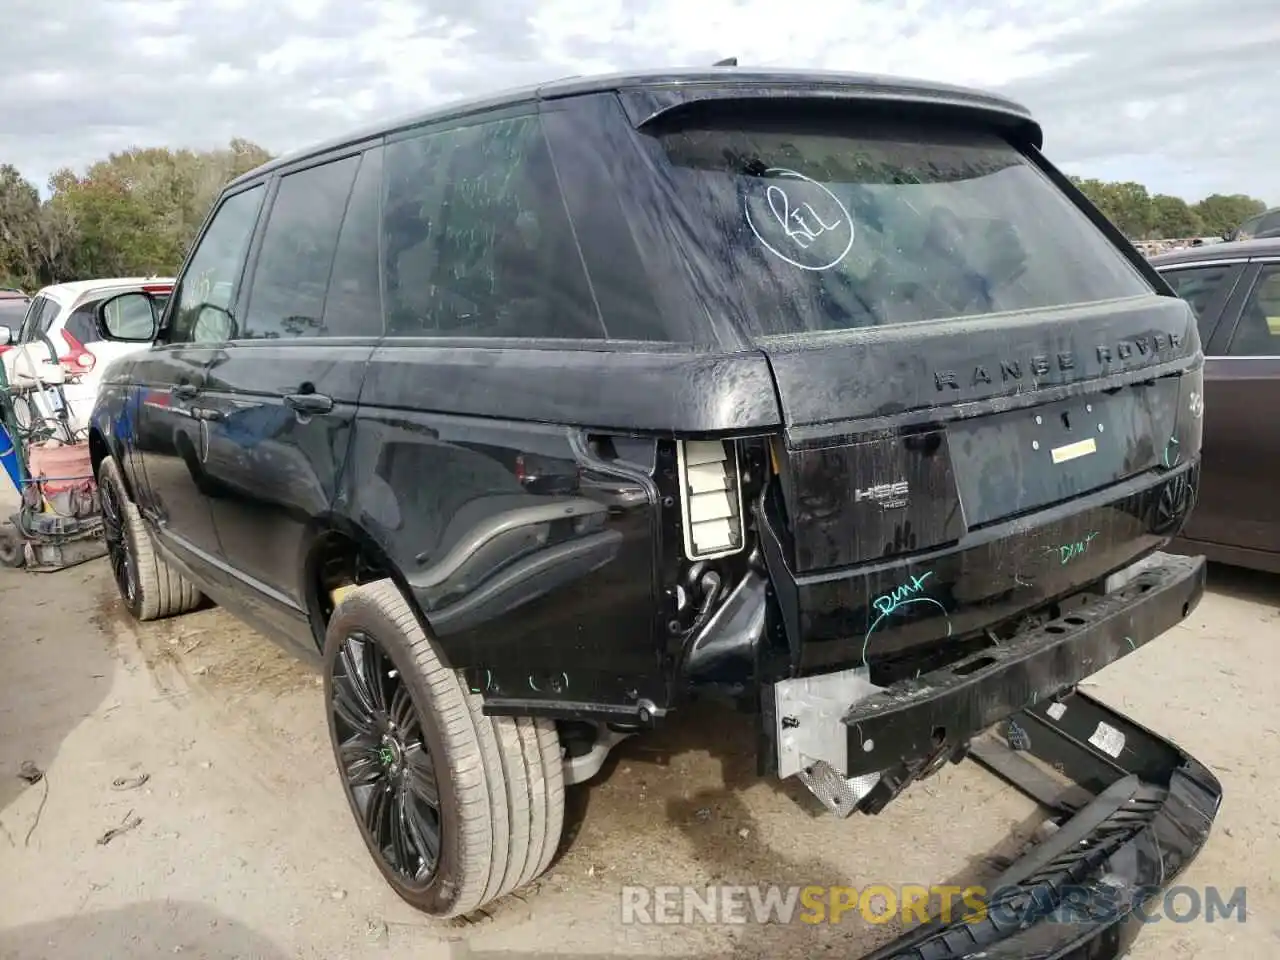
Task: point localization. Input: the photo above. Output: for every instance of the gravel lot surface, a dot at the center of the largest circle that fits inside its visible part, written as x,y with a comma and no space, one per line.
245,848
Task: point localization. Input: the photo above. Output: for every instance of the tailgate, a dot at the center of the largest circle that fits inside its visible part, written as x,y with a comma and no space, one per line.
985,469
896,445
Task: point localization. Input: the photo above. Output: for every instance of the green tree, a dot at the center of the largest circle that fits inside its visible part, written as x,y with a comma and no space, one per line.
19,228
137,211
1173,217
1222,213
1141,216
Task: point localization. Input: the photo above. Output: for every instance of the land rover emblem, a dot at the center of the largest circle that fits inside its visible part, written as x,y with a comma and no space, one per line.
890,496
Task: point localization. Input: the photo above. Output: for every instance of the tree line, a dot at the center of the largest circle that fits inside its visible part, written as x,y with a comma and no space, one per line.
136,212
1146,216
132,214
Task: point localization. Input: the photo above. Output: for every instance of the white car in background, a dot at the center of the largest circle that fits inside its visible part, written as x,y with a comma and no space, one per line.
59,342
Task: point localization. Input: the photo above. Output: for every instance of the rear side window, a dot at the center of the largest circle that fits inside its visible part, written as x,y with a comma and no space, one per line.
476,238
1202,287
835,226
291,276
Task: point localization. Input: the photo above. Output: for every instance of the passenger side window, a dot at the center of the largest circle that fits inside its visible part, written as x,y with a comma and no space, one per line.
291,275
1199,286
1258,332
477,242
205,307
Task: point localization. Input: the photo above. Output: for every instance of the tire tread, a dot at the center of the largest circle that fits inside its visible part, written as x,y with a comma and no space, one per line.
511,809
162,590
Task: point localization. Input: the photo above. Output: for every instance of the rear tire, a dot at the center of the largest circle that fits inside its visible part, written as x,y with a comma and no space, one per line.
498,781
149,587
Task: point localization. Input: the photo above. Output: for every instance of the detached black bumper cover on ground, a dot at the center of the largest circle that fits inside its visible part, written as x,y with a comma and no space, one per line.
1139,811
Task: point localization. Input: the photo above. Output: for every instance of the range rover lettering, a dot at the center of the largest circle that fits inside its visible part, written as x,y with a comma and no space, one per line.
532,418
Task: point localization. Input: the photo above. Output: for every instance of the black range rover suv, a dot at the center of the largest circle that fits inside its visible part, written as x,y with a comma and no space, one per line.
532,418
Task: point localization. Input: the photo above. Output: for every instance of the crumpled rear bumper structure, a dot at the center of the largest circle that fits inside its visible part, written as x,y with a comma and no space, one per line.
1140,811
1131,809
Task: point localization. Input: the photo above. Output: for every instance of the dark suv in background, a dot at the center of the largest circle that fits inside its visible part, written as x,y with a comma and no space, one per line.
533,417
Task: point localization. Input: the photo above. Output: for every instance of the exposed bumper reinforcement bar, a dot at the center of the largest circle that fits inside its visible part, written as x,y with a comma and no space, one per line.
919,719
1079,895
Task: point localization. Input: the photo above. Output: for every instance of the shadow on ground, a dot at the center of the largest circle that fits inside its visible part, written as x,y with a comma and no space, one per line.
143,931
720,828
52,680
1239,583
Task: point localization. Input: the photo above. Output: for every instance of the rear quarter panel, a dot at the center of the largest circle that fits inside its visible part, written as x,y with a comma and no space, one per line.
530,548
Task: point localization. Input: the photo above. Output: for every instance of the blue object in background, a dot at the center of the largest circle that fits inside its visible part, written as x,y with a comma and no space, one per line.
9,457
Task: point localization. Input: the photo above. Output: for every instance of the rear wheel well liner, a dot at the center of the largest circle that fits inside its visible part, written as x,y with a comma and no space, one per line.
99,450
341,553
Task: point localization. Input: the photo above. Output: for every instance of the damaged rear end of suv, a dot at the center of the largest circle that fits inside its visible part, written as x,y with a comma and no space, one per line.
825,395
984,425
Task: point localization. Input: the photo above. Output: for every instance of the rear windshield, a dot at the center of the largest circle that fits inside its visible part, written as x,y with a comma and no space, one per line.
813,229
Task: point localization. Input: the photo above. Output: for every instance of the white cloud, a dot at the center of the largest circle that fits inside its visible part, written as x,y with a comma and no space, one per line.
1173,93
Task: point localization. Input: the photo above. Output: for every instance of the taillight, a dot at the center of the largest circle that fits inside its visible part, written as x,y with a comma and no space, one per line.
711,498
79,359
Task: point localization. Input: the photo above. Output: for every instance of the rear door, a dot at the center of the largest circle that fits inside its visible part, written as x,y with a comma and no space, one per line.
169,436
1210,288
282,390
1242,450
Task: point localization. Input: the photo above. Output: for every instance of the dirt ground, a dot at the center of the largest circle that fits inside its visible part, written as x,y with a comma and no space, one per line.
243,846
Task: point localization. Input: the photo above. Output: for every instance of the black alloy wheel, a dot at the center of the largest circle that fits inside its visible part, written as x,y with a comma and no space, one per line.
123,565
385,762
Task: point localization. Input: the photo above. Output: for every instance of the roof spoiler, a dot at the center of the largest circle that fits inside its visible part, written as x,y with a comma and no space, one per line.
647,106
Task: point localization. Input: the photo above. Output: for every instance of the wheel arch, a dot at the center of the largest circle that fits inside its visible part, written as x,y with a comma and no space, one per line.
341,552
99,449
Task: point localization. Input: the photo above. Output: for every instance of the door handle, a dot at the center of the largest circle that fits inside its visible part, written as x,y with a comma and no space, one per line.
309,403
185,391
206,413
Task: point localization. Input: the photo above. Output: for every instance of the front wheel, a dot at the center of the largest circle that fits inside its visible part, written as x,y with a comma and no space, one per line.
456,808
149,587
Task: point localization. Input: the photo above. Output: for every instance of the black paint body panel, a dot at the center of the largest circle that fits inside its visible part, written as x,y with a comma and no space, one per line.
524,494
898,607
663,391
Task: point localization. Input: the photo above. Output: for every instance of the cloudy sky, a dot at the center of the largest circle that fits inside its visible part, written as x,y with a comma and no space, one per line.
1177,94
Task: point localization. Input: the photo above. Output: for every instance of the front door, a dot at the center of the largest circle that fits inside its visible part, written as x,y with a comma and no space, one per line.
281,394
171,437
